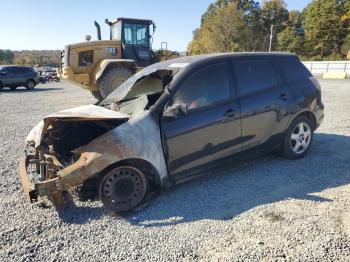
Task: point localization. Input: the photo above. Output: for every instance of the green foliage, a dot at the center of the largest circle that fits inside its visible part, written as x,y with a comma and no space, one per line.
223,31
291,38
31,58
346,45
320,31
6,56
324,29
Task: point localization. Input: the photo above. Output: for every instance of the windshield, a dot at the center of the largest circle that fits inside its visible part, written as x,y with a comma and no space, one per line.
147,81
136,34
140,91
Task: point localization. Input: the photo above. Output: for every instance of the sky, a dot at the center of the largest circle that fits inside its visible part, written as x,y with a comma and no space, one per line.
51,24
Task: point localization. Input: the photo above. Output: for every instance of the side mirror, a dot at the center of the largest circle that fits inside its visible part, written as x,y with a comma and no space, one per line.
175,111
3,72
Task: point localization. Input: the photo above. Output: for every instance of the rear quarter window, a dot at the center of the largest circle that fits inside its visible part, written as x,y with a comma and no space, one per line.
253,76
291,69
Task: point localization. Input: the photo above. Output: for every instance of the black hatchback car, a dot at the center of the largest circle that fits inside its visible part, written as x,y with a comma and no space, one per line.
173,120
16,76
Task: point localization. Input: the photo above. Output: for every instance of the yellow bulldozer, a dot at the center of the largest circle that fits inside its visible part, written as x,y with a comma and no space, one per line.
101,66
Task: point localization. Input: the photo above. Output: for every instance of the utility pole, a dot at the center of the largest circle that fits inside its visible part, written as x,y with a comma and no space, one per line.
271,38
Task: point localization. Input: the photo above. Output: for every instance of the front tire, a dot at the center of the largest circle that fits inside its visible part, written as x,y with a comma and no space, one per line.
298,139
112,79
30,85
123,189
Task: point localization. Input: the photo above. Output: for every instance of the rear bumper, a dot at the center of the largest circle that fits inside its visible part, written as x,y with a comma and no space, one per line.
83,80
319,115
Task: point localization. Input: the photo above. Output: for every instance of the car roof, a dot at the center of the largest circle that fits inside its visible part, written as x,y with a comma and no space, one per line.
190,61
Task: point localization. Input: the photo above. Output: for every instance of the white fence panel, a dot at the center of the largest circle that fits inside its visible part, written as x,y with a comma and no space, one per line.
320,67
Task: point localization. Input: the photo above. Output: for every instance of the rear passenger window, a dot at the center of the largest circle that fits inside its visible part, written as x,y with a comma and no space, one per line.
28,70
254,76
206,86
291,69
17,70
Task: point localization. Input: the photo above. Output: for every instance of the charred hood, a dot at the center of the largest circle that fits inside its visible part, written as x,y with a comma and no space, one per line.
67,130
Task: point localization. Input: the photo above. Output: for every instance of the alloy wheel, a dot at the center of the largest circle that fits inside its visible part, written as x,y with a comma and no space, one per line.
301,138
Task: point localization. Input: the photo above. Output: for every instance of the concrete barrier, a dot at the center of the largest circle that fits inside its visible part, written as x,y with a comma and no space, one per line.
334,75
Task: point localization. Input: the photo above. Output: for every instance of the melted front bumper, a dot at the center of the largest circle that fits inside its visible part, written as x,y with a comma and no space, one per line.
29,190
69,177
50,188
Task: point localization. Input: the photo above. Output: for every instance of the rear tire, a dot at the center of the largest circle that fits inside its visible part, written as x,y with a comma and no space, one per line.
123,189
1,86
30,85
13,87
298,138
97,95
112,79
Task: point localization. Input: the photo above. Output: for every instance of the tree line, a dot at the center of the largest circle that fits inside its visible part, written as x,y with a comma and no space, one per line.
321,31
30,57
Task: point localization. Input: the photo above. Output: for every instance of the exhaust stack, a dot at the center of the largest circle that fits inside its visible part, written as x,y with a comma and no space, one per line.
98,28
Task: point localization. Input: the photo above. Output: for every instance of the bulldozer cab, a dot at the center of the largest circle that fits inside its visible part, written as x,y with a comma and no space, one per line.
136,38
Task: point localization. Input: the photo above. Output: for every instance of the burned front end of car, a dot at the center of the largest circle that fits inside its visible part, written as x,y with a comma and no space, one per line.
52,162
81,145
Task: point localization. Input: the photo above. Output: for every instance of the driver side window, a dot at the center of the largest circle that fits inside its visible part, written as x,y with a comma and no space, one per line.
207,86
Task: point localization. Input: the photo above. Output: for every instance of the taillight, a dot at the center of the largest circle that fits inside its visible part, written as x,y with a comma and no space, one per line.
316,83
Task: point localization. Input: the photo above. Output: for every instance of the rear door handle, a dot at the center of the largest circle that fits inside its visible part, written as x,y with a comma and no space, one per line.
230,113
227,116
283,97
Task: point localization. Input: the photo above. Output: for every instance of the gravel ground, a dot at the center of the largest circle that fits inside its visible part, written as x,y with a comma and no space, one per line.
270,209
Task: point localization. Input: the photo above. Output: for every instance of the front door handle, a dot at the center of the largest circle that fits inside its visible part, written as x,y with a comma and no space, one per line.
283,97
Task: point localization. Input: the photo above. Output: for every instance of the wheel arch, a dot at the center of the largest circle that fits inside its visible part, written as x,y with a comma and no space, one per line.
107,64
306,113
31,79
143,165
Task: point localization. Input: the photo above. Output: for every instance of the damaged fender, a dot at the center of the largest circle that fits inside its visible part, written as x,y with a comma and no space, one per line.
138,138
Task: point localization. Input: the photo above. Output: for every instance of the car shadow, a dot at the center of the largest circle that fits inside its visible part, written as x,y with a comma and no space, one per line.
265,180
233,190
85,213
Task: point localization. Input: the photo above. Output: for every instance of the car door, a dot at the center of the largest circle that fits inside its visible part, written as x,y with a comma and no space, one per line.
6,76
266,102
20,73
210,129
16,76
